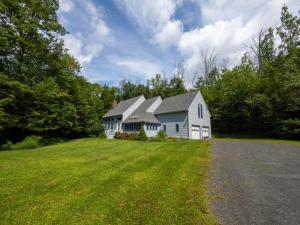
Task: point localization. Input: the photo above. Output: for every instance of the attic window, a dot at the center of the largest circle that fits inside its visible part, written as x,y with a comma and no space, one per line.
134,117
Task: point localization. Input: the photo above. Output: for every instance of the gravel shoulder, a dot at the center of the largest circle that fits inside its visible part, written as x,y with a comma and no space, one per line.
255,183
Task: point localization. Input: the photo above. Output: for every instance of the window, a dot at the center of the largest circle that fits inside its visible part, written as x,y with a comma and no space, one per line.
200,111
147,126
165,128
177,128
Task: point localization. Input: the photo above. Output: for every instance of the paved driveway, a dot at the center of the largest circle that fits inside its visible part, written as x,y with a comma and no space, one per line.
255,183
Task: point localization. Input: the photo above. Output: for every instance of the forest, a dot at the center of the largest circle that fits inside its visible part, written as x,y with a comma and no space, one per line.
43,92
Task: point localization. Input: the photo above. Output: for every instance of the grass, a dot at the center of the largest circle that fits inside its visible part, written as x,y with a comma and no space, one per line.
94,181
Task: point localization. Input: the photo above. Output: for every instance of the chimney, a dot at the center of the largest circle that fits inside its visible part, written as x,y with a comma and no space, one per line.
114,104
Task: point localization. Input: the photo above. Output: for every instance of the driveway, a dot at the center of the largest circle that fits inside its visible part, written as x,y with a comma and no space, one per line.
255,183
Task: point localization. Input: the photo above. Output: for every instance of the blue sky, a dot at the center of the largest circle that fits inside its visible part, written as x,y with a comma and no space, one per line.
134,39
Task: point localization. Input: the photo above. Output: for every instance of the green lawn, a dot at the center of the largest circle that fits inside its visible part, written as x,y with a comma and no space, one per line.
94,181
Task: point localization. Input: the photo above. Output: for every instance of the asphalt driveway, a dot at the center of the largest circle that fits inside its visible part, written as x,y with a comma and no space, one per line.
255,183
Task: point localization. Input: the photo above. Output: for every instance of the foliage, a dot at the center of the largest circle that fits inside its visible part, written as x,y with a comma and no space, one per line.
142,135
41,92
156,86
260,97
127,136
161,135
28,143
7,146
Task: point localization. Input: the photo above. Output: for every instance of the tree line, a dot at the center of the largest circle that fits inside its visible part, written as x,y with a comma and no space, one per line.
42,92
262,94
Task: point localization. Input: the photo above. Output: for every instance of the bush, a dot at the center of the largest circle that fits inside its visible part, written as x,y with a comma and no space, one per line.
126,136
161,135
28,142
7,146
50,141
142,135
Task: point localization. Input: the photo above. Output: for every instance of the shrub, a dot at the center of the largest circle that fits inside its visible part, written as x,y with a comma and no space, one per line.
161,135
28,142
126,136
50,141
7,146
142,135
154,139
102,135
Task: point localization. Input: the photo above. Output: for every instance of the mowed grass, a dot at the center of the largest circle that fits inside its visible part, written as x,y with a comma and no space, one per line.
94,181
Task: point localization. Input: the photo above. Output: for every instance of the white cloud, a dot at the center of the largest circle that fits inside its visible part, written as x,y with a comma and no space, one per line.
170,34
149,15
66,5
92,33
155,18
230,25
138,66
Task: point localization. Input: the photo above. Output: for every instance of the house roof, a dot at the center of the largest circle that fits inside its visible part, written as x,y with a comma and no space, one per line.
176,103
121,107
141,114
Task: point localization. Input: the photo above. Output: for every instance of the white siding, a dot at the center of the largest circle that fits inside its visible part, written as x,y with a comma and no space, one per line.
193,114
151,133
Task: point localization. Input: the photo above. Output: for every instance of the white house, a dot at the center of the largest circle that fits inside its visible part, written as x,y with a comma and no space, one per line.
181,116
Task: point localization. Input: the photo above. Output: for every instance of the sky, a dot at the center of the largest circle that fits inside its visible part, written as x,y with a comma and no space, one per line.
135,39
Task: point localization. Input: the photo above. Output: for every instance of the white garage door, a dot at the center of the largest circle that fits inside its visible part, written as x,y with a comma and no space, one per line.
205,132
195,132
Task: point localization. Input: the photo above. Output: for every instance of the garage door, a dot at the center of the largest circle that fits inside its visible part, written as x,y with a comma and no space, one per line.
205,132
195,132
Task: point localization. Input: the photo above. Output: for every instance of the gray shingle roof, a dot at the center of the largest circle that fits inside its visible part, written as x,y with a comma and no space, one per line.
176,103
141,115
121,107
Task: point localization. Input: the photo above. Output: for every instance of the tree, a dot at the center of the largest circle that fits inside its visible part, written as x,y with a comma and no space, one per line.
142,135
208,61
261,95
41,90
30,40
288,31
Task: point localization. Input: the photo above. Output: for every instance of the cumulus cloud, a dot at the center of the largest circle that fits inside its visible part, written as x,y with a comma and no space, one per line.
137,65
89,40
155,18
149,15
227,25
170,34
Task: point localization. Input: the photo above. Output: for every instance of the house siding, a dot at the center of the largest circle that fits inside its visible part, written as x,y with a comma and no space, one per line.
170,120
114,124
193,115
151,133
